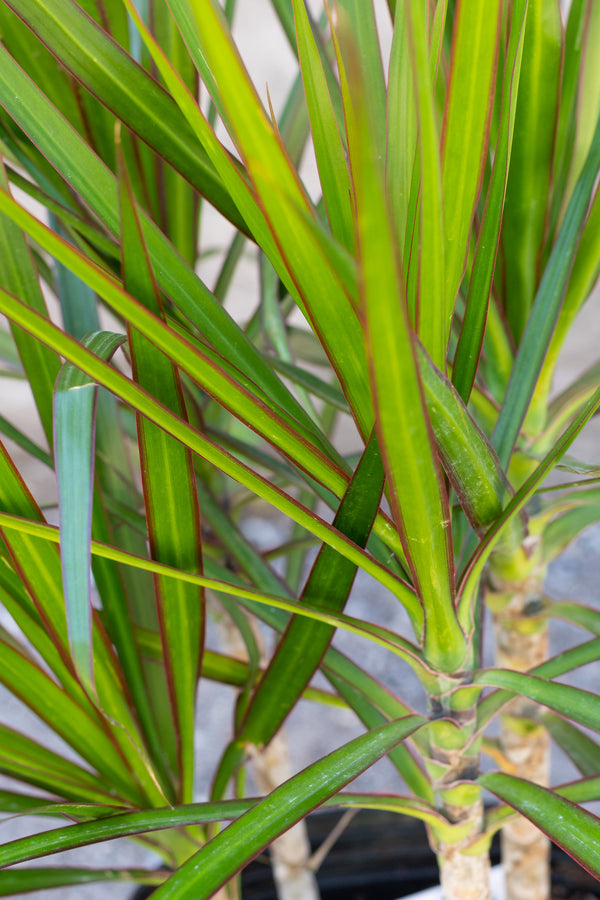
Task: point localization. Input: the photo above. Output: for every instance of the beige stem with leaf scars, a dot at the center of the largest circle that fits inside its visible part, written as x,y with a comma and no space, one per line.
521,644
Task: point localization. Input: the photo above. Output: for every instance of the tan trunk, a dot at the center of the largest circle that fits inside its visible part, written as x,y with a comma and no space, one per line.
462,876
521,643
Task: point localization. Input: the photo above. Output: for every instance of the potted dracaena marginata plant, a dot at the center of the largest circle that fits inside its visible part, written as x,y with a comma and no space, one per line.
439,270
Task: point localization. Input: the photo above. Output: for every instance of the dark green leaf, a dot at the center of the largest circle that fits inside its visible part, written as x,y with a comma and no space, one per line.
303,644
524,218
571,827
574,703
579,747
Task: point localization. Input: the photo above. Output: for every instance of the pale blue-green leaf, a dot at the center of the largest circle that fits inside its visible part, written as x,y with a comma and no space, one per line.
74,427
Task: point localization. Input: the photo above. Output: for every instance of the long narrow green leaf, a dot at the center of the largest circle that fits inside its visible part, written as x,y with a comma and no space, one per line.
108,825
121,589
68,152
38,566
574,703
466,124
588,96
95,59
120,825
472,332
212,372
382,636
181,217
417,494
24,881
31,763
323,287
40,65
74,427
19,276
131,393
528,186
295,135
303,644
584,616
67,718
358,16
565,662
233,179
170,500
579,747
432,313
560,532
25,443
314,287
218,860
329,149
545,310
575,39
573,828
582,279
120,594
401,155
